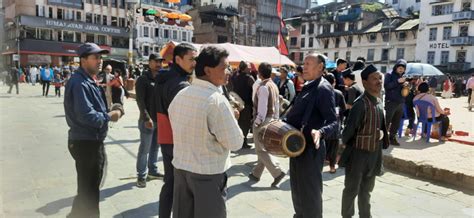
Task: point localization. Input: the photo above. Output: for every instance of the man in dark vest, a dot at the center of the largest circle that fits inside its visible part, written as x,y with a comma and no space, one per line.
364,135
314,113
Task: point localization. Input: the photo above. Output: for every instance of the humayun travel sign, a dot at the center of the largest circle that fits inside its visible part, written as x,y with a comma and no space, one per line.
42,22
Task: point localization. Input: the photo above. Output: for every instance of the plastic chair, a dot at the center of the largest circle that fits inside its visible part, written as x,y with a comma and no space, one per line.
423,118
404,117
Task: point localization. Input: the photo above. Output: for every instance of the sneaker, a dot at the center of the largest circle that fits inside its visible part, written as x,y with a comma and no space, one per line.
141,182
394,142
155,176
278,179
253,178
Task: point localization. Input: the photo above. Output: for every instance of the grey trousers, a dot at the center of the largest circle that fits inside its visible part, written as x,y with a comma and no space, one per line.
265,160
199,196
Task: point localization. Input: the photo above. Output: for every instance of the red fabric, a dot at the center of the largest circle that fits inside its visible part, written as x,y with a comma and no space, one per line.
165,134
281,41
446,85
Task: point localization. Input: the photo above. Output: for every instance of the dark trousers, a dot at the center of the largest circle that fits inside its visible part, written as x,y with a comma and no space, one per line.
46,87
11,87
166,194
197,195
331,154
360,181
245,121
444,124
394,113
306,182
469,94
57,91
90,159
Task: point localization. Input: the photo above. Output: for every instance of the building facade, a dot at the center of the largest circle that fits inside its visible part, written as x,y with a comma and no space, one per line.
247,23
48,32
221,22
405,7
351,32
446,36
153,32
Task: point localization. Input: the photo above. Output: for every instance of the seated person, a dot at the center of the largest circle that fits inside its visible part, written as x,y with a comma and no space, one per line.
424,95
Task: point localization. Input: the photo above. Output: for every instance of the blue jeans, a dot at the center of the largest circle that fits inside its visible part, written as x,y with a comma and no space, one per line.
147,157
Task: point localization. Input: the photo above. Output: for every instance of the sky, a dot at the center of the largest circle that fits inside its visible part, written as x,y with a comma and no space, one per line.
321,2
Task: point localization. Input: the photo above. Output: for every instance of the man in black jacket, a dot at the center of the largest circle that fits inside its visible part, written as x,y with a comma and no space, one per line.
341,65
148,149
168,84
242,83
394,100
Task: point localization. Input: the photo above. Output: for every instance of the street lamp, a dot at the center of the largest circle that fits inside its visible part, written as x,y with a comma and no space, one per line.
132,4
17,34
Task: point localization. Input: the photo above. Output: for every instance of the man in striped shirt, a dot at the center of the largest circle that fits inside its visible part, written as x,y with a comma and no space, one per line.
204,132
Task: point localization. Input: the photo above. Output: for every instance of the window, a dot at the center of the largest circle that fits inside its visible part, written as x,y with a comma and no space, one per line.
400,53
114,3
466,5
184,36
104,20
146,31
433,32
385,54
78,16
122,22
338,40
146,50
431,57
90,38
446,33
327,28
175,35
326,44
340,27
37,11
292,56
370,54
88,18
303,29
122,4
68,36
444,57
45,34
402,36
89,1
97,2
395,2
97,19
59,14
101,39
310,43
461,56
120,42
157,32
105,2
311,28
336,55
50,15
348,56
302,42
373,37
353,26
293,41
438,10
463,30
114,21
385,37
166,34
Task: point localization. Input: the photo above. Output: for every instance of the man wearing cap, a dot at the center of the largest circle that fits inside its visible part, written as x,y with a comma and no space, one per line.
341,65
352,89
87,117
314,113
286,87
147,157
364,136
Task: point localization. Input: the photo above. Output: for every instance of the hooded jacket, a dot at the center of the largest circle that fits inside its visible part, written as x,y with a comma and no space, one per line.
167,86
393,89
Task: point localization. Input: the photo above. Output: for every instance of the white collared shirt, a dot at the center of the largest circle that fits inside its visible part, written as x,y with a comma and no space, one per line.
204,129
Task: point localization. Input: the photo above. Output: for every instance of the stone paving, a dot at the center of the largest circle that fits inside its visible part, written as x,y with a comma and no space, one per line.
38,177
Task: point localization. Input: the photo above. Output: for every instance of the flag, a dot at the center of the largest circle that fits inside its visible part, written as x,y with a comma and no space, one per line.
281,41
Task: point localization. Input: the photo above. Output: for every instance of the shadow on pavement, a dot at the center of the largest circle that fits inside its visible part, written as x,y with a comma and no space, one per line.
122,142
130,127
55,206
59,116
147,210
236,189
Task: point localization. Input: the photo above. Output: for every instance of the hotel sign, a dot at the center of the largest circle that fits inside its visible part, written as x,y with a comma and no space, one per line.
439,45
42,22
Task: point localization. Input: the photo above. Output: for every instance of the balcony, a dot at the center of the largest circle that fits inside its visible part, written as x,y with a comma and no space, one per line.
463,15
457,66
462,41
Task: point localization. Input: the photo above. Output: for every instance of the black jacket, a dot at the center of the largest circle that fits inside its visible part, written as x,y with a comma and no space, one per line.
393,89
145,96
242,85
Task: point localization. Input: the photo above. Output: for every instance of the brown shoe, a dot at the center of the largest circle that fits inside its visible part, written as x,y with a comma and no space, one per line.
407,132
253,178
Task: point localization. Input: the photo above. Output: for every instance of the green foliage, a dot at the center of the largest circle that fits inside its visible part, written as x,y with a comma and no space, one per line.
373,7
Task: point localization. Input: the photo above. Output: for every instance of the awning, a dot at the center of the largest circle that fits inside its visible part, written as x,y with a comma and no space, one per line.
409,24
375,28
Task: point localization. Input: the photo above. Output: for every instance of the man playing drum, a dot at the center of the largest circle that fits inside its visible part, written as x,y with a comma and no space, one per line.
266,108
314,113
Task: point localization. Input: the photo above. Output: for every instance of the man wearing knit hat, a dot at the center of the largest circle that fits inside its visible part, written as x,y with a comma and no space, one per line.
394,100
364,135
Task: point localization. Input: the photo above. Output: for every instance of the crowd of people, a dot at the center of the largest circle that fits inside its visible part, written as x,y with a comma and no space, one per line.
199,109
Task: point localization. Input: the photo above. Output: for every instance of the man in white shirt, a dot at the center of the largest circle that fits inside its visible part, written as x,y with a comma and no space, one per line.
266,108
204,133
